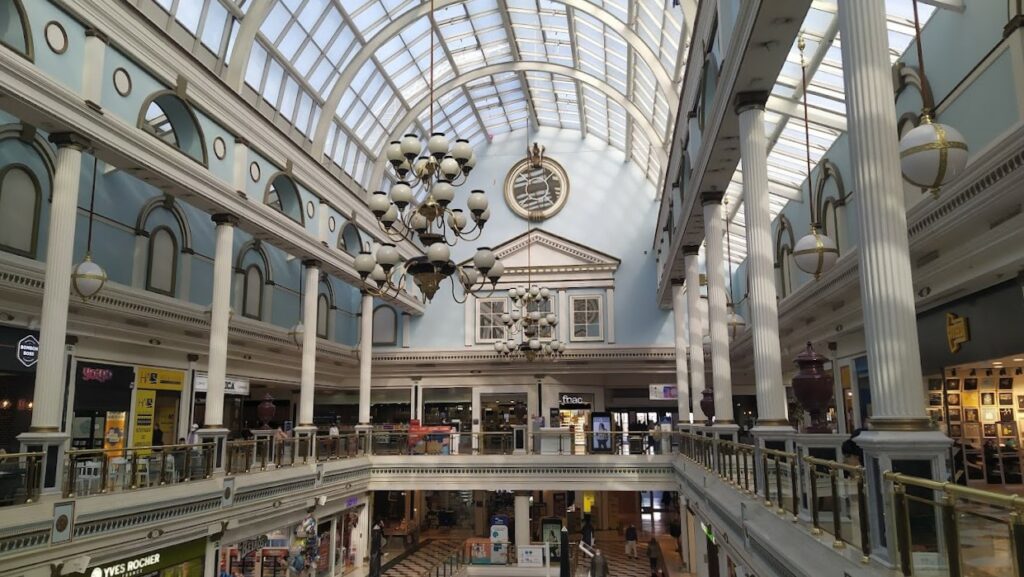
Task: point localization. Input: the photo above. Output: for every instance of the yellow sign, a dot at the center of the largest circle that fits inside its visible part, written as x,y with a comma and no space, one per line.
142,426
157,379
958,331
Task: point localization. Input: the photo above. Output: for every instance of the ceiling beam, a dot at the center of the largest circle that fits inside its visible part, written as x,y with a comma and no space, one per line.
506,22
570,16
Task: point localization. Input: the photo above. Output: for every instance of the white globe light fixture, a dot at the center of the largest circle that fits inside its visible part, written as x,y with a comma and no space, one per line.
932,155
815,253
88,278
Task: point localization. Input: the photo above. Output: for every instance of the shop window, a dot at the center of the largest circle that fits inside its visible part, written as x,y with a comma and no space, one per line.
161,272
283,196
385,326
544,307
586,318
171,119
20,199
15,34
323,309
252,293
489,327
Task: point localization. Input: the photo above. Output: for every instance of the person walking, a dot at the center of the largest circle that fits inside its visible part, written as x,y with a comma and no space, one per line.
631,537
598,565
652,554
588,532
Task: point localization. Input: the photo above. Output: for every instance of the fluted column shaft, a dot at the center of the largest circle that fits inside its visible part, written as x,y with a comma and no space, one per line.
721,371
307,381
365,357
682,342
886,287
220,318
47,402
696,331
764,312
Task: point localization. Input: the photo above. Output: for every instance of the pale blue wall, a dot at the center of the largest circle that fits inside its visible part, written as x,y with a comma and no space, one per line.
611,208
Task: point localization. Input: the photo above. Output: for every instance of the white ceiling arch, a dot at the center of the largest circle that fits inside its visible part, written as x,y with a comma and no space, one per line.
640,118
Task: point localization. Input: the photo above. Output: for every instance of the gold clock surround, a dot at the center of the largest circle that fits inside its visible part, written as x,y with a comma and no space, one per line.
548,165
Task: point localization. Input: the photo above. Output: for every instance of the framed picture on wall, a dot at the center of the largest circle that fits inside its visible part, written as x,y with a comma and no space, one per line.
1005,415
971,384
988,383
1020,402
935,399
1008,429
1006,383
934,384
969,398
1005,399
972,430
935,415
956,430
953,399
954,415
988,398
952,384
988,414
989,430
971,415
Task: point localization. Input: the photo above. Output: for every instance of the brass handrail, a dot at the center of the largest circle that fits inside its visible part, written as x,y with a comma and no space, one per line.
857,474
1014,501
33,471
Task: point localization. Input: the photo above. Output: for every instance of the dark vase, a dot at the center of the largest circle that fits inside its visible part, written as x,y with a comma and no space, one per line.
707,403
265,411
813,388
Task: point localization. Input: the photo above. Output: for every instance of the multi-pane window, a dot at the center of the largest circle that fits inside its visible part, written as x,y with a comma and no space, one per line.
252,293
548,306
385,326
488,320
586,318
163,261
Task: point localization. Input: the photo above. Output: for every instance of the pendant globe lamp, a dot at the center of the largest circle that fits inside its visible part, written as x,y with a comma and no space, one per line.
88,278
816,253
932,154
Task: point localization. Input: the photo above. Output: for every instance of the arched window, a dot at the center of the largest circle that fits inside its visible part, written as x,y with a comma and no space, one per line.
252,293
385,326
172,120
350,240
784,257
20,200
323,309
283,195
15,34
162,269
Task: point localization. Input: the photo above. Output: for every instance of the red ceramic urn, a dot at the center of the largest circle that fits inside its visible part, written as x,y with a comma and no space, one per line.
813,388
265,411
707,403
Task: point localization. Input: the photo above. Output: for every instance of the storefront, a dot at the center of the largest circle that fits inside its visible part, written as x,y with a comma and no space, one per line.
448,406
157,402
102,406
19,353
502,411
574,411
972,355
236,393
184,560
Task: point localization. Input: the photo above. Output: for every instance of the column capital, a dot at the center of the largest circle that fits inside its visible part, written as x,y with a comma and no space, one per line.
242,141
691,249
750,100
311,263
225,218
94,33
70,140
711,197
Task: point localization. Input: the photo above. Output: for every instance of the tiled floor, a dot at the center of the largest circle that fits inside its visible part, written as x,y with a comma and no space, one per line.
418,563
619,565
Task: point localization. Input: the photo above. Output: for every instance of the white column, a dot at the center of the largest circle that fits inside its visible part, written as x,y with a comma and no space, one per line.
764,312
361,534
47,402
720,370
522,518
887,290
307,380
365,357
682,341
220,317
696,336
700,563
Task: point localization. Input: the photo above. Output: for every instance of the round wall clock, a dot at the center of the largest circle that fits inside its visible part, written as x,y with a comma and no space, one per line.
537,187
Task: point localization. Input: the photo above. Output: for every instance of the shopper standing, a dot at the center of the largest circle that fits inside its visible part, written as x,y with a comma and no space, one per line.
598,565
631,537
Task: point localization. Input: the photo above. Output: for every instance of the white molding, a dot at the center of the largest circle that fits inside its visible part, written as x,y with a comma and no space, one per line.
563,316
600,317
609,299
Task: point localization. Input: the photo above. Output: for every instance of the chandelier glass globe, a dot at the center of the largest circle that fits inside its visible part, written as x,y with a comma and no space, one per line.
815,253
932,154
88,278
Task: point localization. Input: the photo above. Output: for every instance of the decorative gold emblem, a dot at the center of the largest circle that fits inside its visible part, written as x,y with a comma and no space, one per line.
958,331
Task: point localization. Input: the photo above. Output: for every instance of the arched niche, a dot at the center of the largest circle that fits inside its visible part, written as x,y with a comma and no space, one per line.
784,243
350,240
171,119
283,195
15,32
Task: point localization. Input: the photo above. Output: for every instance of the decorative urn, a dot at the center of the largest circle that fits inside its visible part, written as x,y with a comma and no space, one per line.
707,403
813,388
265,411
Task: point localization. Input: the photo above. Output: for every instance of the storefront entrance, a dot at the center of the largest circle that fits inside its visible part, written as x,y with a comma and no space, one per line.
19,351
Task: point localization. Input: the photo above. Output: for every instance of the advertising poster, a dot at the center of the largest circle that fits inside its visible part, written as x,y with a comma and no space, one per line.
159,379
142,423
601,425
530,556
664,392
114,432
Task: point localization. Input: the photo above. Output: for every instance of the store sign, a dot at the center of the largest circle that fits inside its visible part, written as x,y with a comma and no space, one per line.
27,351
96,374
232,385
184,559
664,392
127,568
574,400
157,379
958,331
255,544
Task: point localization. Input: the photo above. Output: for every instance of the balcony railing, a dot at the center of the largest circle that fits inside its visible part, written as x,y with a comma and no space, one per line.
98,471
20,476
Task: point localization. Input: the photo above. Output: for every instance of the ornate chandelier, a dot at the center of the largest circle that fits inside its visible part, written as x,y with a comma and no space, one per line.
433,176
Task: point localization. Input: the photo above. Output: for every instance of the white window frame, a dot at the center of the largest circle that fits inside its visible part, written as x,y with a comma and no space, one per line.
572,317
477,326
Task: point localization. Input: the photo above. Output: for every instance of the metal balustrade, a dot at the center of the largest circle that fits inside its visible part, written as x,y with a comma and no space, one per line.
846,507
98,471
20,477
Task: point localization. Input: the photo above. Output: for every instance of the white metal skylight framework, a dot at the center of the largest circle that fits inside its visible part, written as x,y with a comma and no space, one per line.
343,74
784,124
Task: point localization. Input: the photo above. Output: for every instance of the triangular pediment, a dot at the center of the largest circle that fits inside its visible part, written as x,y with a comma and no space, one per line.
542,254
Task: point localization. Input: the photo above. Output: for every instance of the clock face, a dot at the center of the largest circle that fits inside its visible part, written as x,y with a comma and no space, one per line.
535,191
